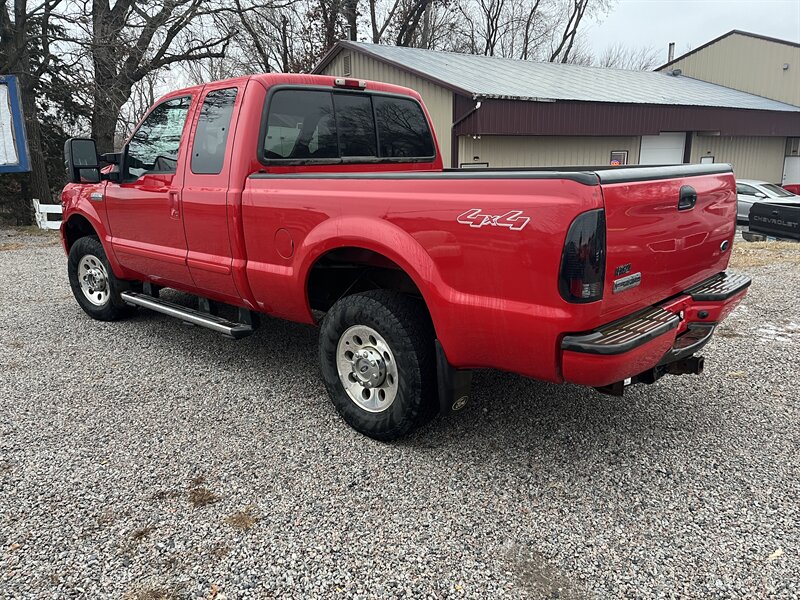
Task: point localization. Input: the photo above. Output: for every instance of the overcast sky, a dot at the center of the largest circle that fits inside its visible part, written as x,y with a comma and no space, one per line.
692,23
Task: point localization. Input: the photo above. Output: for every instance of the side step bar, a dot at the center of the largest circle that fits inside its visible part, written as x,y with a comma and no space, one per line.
189,315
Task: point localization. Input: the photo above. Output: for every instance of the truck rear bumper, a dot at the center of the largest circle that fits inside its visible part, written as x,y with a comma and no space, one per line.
655,337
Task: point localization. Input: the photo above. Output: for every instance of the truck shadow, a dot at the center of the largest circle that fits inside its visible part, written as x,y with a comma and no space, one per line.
509,415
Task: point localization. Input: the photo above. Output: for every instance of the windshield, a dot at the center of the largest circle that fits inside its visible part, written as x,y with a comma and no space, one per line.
776,191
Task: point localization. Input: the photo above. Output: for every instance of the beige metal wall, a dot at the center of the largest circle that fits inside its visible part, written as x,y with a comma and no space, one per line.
751,157
544,151
438,100
749,64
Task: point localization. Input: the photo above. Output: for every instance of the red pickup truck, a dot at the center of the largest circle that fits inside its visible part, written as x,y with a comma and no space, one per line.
323,200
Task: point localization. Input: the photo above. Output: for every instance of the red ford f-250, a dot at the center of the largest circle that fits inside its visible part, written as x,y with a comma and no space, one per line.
323,200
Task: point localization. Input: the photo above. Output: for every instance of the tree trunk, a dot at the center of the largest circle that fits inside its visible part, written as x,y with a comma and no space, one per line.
351,13
39,182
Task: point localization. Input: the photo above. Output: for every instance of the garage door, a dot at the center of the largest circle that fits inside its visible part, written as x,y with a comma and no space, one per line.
664,149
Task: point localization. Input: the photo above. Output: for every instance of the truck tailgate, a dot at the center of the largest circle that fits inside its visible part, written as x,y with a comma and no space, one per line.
780,220
656,248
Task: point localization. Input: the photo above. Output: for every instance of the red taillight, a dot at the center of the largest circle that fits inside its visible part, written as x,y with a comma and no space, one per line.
583,263
357,84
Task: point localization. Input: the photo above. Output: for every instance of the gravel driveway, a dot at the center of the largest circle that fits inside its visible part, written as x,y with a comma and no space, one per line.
147,459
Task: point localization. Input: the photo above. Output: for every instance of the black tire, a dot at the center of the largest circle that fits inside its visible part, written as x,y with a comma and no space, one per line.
406,327
113,307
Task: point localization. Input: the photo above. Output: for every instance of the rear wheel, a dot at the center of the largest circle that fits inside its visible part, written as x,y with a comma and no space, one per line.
93,283
377,359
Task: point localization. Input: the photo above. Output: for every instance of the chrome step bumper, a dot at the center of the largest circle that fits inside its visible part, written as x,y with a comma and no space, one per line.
625,334
719,287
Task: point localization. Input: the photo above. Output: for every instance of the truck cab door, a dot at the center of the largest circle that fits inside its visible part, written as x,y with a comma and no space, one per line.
145,210
208,191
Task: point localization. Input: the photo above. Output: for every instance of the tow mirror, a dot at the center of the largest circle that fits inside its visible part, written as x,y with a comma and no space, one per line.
80,156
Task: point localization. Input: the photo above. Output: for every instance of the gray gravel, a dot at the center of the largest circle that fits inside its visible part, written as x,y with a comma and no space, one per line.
146,459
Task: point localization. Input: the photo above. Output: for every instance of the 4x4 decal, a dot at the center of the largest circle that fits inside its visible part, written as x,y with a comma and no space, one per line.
513,219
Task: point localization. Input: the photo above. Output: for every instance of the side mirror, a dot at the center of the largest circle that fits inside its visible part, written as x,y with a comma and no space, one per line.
760,195
80,157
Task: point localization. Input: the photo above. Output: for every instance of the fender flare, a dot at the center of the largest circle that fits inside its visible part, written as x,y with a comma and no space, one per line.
379,236
89,212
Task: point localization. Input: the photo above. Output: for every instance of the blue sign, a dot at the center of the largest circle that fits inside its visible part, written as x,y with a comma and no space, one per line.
14,155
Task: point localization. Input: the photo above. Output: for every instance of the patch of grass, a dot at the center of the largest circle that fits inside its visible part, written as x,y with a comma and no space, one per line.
200,496
34,230
760,254
8,246
137,535
242,519
166,495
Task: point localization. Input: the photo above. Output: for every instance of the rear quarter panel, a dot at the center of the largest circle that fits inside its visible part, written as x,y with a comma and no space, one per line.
492,290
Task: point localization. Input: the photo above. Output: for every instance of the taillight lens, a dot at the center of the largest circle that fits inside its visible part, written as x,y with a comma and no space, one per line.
583,262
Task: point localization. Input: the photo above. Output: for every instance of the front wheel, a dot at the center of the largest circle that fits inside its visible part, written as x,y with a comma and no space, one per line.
377,357
93,283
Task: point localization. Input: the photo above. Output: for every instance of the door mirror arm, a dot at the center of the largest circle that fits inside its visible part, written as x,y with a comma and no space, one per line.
120,159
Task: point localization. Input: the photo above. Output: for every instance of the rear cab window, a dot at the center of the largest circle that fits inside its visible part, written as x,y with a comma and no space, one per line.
211,135
313,125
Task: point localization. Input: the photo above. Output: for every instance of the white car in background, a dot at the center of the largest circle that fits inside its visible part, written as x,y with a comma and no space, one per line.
749,191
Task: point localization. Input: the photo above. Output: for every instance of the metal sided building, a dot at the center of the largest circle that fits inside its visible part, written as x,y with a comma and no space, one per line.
496,112
757,64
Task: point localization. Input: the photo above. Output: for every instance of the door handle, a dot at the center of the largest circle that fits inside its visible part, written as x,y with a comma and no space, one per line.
174,204
687,198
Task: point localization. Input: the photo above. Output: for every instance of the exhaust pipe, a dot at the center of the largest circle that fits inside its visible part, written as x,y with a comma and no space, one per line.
692,365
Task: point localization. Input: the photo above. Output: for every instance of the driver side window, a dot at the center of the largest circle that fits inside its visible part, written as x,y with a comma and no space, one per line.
154,147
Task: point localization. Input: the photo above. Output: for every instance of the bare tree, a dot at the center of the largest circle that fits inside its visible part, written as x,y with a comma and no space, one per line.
567,41
378,25
128,39
620,56
144,94
408,21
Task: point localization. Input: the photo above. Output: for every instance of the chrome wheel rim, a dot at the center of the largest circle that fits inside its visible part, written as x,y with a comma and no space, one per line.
93,278
367,368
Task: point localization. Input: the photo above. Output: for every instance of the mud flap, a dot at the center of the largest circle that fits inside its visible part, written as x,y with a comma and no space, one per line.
454,384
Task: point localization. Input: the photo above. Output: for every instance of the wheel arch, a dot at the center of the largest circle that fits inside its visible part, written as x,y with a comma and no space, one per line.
375,244
79,224
76,227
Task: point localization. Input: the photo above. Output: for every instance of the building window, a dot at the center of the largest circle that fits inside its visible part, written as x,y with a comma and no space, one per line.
792,146
619,158
346,65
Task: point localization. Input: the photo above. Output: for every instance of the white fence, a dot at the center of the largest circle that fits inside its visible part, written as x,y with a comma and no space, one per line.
41,212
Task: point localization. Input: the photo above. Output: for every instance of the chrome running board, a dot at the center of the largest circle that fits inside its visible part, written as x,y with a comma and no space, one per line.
189,315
